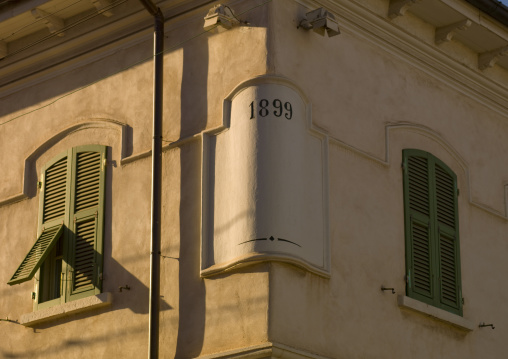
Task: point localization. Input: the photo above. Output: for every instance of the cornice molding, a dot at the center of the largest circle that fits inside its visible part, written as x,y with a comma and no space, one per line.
356,20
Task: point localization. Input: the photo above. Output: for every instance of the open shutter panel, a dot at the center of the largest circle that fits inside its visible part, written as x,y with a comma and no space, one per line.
88,203
420,232
37,255
448,243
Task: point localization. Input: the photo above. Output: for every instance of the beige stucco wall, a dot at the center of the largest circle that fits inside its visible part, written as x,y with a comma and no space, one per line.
379,101
368,92
197,316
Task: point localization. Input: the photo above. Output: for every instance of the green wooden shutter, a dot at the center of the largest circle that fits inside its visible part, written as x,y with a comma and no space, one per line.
53,212
87,215
448,244
55,190
419,256
37,255
431,222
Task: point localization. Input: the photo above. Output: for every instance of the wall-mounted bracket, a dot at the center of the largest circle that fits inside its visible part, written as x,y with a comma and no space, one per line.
126,287
52,22
8,320
399,7
446,33
482,325
321,21
488,59
103,7
220,17
383,288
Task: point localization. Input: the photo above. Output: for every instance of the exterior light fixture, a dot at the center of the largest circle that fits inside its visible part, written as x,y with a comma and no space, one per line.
321,21
221,18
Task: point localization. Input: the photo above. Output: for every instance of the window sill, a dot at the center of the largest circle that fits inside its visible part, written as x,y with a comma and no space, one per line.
436,313
60,311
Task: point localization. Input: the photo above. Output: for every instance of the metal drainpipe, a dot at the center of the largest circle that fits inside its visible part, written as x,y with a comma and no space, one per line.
155,250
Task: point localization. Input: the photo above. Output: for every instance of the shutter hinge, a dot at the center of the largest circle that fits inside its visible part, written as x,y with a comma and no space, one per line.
463,301
39,184
403,166
96,214
104,163
458,192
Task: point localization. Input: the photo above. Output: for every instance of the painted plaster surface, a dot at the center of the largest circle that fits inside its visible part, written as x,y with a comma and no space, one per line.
381,86
116,110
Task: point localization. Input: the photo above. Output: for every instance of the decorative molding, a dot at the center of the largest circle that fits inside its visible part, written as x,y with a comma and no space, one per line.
28,181
489,59
436,137
432,60
52,22
446,33
260,231
399,7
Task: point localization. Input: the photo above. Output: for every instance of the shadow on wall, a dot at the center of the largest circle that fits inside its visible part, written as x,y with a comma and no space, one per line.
77,344
194,110
77,79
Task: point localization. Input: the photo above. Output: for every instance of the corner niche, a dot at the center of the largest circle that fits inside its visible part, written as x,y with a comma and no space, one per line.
265,182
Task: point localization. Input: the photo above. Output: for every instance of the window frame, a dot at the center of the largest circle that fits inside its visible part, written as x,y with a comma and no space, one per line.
440,227
66,204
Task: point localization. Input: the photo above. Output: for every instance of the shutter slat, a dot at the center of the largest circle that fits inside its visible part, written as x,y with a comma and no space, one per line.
87,180
55,190
445,197
421,258
448,264
418,185
84,257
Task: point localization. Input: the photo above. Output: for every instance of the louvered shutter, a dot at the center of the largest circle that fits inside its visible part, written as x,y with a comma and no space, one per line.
447,237
53,214
431,222
87,215
37,255
417,207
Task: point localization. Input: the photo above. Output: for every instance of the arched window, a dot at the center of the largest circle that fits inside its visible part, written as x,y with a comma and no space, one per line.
68,250
431,231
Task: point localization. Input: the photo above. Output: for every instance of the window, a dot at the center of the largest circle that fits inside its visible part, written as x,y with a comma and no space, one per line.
431,230
68,251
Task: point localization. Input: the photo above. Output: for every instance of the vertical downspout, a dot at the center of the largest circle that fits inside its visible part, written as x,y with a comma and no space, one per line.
155,247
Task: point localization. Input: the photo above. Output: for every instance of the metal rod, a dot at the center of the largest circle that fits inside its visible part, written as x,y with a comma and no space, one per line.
155,246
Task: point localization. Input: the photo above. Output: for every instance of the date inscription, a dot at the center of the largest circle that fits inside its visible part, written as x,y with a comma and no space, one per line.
276,107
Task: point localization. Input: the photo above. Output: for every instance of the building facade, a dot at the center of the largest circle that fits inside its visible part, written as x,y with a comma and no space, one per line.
334,180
